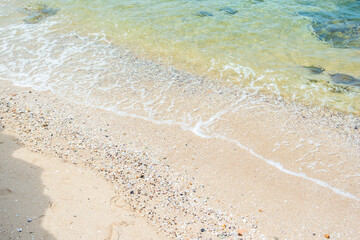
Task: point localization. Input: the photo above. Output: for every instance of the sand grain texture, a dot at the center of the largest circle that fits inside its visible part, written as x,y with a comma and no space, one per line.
42,197
181,183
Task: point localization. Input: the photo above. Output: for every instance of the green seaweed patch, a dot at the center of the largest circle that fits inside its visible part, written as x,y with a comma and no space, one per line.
313,80
36,12
337,89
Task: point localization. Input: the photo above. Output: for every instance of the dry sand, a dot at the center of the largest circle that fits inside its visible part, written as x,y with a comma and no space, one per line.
42,197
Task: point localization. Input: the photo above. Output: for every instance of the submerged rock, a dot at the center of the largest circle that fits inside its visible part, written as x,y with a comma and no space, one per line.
228,10
256,1
341,27
344,80
35,18
36,12
32,8
315,69
49,11
204,14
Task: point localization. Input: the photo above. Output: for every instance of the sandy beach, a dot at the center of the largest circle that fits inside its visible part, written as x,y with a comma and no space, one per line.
180,185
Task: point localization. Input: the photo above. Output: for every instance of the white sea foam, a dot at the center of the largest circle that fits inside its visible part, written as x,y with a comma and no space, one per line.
197,130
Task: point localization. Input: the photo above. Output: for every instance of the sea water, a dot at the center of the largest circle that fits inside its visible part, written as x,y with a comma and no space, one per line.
265,44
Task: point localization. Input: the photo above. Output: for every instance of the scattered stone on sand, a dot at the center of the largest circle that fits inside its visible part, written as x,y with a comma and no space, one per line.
158,187
229,10
315,69
204,14
327,235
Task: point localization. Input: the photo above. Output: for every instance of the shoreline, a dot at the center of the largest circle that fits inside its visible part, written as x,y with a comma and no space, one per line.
112,145
196,157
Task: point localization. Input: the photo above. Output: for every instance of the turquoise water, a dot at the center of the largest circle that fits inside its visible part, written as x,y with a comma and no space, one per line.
263,44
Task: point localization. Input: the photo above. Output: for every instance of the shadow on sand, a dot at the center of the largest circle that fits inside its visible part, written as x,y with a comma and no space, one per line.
22,201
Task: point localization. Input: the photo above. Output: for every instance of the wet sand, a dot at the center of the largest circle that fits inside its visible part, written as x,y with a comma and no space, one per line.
190,187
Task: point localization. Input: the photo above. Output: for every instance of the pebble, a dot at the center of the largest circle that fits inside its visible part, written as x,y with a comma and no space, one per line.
241,232
221,236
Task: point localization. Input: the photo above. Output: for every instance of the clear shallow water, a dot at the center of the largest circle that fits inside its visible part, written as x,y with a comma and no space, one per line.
264,45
